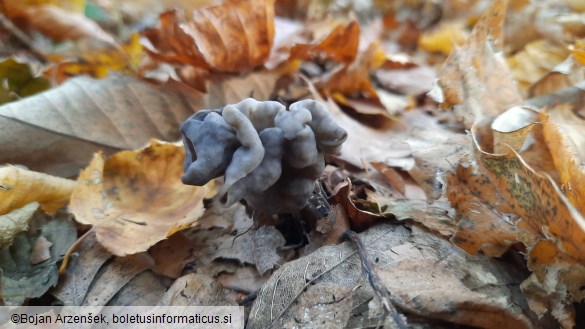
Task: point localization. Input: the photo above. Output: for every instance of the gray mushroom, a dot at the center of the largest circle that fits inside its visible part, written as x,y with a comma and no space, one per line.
271,157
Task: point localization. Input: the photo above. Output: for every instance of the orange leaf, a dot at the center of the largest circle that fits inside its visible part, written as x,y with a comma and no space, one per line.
474,77
341,45
232,37
355,77
563,133
136,198
538,201
472,195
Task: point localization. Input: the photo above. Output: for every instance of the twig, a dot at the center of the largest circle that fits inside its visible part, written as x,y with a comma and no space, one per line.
22,38
75,244
368,269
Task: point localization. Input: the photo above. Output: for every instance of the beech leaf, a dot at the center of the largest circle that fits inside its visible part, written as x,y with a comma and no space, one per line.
136,198
56,132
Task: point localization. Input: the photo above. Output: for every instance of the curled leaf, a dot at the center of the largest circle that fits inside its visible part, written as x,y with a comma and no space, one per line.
136,198
207,41
19,187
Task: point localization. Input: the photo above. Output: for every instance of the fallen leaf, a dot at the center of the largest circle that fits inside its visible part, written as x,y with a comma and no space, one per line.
408,81
81,272
552,230
195,290
324,306
444,38
340,45
57,23
136,199
480,211
20,187
41,251
245,279
511,128
535,61
403,259
354,78
144,289
266,243
18,81
56,132
229,89
15,222
359,218
108,282
207,40
171,255
487,89
563,133
20,278
394,178
96,58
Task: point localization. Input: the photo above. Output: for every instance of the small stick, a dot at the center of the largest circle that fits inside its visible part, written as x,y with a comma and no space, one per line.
368,269
75,244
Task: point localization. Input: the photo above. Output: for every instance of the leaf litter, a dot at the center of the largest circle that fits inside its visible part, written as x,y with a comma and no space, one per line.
471,210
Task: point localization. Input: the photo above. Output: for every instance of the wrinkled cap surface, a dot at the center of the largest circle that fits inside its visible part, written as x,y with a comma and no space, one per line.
270,156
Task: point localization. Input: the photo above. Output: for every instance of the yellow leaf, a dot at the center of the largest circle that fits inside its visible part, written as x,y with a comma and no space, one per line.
19,187
443,39
136,198
578,51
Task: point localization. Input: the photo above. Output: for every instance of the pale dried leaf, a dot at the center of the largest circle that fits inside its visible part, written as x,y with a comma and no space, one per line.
57,132
20,187
76,281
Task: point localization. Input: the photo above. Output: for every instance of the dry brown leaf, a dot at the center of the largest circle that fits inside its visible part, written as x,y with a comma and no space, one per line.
195,290
229,89
266,243
114,277
405,260
474,77
481,211
359,219
144,289
354,78
136,198
56,22
171,255
19,187
511,128
340,45
57,132
209,40
563,133
538,201
552,230
365,144
535,61
435,153
81,272
393,177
